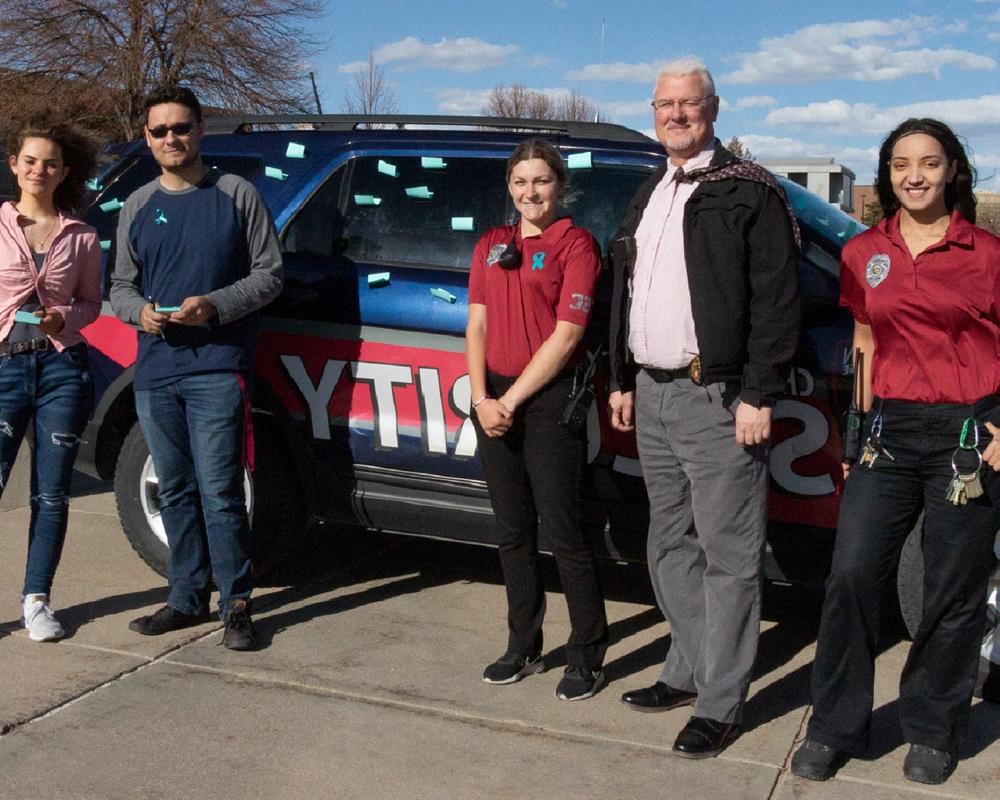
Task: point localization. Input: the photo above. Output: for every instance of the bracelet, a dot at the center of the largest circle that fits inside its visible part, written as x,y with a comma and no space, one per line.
477,403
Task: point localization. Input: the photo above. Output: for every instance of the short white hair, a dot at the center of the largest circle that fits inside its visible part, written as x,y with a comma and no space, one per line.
682,67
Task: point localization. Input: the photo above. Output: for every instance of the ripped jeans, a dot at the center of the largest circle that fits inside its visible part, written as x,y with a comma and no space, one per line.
55,390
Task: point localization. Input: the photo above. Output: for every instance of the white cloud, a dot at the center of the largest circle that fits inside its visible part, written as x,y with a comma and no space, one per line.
756,101
622,109
462,101
993,37
869,50
619,71
838,117
459,55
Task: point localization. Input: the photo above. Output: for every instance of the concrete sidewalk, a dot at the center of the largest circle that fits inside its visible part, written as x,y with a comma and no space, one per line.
368,686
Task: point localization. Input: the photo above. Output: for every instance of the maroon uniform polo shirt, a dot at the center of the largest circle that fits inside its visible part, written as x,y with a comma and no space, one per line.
554,282
935,319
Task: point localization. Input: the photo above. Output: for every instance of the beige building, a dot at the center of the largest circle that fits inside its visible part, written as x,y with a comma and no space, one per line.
822,176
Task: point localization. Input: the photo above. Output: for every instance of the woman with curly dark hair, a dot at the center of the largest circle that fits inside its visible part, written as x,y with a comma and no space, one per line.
50,288
924,288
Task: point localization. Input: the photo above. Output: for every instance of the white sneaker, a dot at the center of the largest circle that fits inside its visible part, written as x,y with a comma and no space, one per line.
39,620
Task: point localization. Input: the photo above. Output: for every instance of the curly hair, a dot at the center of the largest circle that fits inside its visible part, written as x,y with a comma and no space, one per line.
958,193
79,155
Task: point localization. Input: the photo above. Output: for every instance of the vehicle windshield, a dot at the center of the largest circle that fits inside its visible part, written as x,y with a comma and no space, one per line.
823,220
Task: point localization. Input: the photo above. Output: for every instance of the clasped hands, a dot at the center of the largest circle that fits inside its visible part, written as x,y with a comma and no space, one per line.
494,417
194,311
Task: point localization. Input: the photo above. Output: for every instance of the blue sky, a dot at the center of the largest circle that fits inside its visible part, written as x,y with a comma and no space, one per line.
796,78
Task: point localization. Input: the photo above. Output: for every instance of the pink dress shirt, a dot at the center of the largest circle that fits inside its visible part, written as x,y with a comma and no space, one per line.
69,281
661,325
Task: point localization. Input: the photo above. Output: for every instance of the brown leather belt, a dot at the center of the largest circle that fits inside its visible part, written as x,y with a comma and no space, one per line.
27,346
692,371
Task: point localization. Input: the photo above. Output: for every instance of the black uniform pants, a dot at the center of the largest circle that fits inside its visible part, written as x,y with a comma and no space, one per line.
879,508
534,473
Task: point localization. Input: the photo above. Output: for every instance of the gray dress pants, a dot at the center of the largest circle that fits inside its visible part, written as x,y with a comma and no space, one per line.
707,529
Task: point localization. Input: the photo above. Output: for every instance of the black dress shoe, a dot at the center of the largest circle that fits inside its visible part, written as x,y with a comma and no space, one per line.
658,697
705,738
166,619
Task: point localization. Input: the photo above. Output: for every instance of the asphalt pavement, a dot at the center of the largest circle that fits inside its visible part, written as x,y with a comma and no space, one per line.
368,686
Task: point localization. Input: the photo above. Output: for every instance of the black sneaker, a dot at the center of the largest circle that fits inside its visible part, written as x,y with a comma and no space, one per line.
166,619
814,761
579,683
239,633
926,765
510,668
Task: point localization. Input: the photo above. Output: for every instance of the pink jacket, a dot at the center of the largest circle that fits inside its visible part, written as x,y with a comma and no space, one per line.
69,282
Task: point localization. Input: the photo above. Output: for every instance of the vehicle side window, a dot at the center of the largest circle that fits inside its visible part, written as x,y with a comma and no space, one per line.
421,210
597,197
319,225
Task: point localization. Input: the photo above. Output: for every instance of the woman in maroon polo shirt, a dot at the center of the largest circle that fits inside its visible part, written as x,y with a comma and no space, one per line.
924,288
531,289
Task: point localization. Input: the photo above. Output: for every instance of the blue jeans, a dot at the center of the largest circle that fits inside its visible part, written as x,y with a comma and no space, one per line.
56,390
194,427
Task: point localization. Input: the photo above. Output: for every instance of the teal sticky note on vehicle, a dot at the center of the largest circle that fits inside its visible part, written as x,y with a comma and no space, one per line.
295,150
26,317
110,206
277,174
580,160
419,192
463,223
105,244
367,200
377,279
388,169
94,185
432,162
443,294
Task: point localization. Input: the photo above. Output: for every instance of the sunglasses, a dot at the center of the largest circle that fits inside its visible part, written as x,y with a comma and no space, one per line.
179,129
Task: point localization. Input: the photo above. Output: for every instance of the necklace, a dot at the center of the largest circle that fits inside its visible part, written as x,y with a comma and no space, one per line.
32,237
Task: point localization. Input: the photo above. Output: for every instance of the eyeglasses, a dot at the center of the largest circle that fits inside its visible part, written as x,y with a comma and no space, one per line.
178,129
686,103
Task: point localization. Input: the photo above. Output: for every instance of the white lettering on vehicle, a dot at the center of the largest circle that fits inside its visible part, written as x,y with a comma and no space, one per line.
316,397
814,433
383,378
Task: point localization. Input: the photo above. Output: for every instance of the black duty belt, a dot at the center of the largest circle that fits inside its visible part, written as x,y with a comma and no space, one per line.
27,346
692,371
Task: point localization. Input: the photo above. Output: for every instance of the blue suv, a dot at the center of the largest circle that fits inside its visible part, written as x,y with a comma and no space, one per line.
361,398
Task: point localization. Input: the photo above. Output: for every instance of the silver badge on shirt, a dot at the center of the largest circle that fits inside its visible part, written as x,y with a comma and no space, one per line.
877,269
495,252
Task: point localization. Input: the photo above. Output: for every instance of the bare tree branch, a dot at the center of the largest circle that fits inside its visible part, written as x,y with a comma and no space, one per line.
520,101
238,55
371,93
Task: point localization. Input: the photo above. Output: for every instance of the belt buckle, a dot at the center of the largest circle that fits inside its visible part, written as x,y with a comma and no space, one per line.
694,370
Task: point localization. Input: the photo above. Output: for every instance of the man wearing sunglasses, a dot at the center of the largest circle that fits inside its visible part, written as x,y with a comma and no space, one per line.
704,321
197,256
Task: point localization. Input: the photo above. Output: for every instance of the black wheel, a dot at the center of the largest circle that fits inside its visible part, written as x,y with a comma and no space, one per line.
910,578
273,501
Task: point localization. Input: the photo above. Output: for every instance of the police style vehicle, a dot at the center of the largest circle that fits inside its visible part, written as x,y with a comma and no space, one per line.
361,397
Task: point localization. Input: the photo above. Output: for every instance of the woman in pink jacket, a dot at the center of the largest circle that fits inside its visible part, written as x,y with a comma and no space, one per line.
50,288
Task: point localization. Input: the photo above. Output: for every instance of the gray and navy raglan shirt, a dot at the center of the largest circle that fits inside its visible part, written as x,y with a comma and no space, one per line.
215,239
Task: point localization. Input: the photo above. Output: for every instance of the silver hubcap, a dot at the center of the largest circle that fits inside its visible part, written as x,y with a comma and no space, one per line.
149,497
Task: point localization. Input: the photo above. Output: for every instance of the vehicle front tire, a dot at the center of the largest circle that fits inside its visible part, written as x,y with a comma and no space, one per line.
274,504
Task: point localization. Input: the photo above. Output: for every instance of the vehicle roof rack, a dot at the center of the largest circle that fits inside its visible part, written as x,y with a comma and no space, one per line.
246,123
